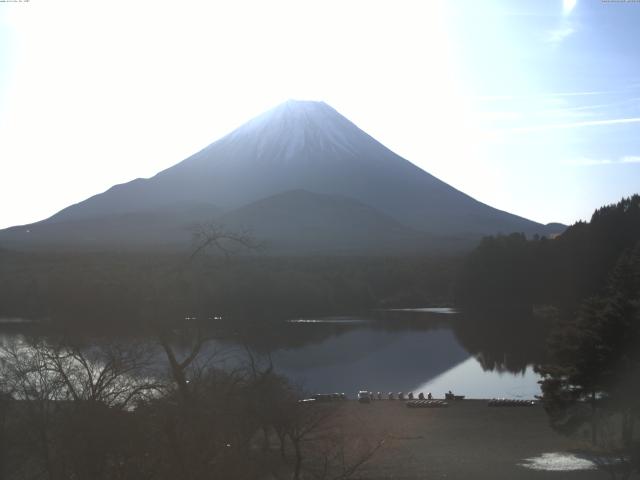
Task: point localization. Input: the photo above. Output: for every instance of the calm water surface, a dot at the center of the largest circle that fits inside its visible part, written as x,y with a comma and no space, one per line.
411,359
408,350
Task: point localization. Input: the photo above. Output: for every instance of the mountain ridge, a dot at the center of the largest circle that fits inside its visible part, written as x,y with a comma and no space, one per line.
309,146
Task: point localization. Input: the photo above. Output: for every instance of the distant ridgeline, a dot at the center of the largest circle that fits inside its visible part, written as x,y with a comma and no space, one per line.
514,272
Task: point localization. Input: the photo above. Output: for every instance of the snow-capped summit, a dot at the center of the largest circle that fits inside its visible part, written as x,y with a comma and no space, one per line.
295,125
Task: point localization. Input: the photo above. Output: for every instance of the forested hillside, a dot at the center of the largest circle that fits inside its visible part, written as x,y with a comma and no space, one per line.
133,289
508,271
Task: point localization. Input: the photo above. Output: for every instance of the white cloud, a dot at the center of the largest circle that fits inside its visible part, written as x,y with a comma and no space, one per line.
539,96
630,159
558,35
566,28
589,162
561,126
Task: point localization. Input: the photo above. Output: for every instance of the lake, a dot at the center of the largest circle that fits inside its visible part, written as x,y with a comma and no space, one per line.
408,350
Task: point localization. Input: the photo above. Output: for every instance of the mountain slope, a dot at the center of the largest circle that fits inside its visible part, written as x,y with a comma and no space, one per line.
304,146
298,221
167,227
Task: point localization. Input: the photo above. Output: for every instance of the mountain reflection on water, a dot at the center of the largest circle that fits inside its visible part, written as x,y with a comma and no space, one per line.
372,359
407,350
428,350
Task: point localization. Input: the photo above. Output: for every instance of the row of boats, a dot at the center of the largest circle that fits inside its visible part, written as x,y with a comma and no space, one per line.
507,402
495,402
426,403
364,396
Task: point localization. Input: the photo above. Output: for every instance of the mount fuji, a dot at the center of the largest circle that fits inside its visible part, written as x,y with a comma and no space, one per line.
300,177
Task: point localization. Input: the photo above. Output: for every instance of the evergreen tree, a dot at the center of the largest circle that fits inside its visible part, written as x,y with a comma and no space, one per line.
595,374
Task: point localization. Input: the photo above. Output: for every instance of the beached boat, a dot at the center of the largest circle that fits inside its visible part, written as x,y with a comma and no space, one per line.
451,396
426,403
508,402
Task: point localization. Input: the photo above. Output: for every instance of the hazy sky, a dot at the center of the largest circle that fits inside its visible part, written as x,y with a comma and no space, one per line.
530,106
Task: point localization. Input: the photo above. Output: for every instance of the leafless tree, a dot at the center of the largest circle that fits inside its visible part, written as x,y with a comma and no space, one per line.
112,374
325,441
72,405
179,366
215,236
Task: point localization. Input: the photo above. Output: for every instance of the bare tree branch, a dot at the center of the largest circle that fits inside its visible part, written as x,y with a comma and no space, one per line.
207,235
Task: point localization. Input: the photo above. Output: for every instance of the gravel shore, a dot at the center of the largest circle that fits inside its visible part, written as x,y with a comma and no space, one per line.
466,440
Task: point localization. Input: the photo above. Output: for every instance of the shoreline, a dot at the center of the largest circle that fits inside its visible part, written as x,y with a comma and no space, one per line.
466,439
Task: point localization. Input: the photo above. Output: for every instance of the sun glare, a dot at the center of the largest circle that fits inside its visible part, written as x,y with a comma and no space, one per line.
568,6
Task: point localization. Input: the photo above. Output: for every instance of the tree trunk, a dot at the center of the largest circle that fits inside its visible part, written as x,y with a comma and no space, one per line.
298,463
46,453
627,428
594,420
178,464
4,406
283,439
266,446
